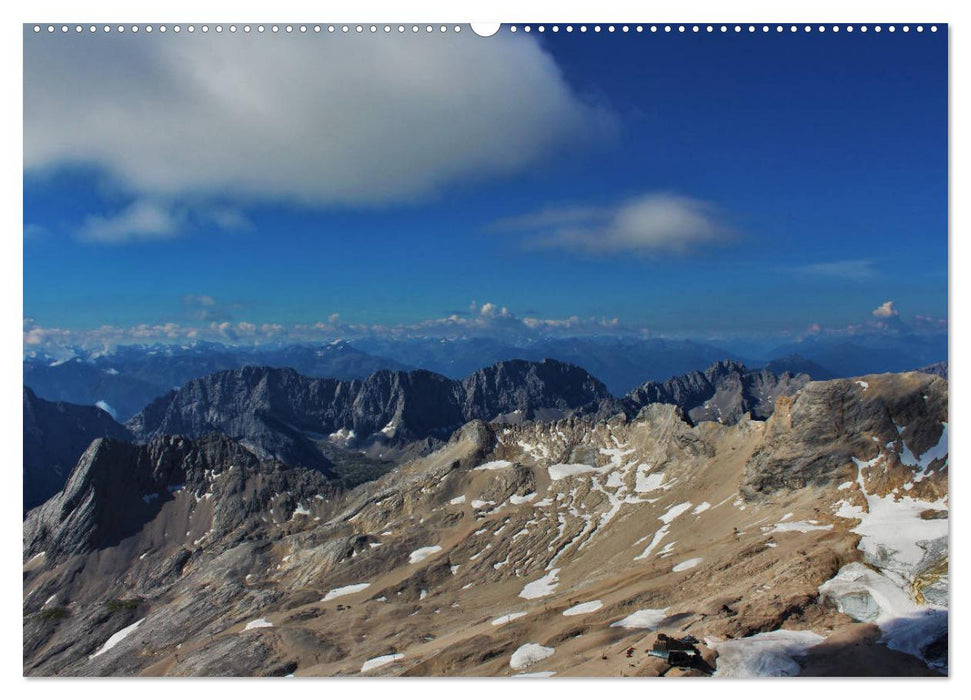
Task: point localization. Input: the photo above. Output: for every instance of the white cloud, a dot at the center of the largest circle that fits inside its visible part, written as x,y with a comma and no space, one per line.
886,310
651,224
320,120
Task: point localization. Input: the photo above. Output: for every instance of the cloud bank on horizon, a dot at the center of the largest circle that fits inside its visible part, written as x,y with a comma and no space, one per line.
487,320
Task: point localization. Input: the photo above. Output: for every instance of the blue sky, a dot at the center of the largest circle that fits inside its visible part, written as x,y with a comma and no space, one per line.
693,185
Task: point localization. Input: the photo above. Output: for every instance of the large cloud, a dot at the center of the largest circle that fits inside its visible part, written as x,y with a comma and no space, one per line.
313,118
651,224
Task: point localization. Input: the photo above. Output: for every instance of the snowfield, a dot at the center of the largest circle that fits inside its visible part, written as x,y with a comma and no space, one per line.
869,596
762,655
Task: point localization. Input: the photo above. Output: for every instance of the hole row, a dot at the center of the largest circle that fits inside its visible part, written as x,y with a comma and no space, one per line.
414,28
709,28
246,28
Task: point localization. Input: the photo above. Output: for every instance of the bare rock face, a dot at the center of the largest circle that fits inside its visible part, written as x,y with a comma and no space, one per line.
117,488
55,435
814,438
300,420
724,393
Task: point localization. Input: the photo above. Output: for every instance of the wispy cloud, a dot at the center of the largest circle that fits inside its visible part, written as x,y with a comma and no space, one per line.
203,307
151,219
651,224
850,270
141,220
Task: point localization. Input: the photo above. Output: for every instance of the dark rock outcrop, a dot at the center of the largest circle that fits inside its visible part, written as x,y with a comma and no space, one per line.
280,413
725,392
55,436
117,488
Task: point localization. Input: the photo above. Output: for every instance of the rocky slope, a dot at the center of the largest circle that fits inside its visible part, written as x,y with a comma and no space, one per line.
536,547
724,392
55,435
301,420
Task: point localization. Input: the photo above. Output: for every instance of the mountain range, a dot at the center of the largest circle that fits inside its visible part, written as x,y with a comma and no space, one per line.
544,547
126,379
355,431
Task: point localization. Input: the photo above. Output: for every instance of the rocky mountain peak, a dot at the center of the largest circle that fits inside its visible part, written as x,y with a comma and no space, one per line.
725,392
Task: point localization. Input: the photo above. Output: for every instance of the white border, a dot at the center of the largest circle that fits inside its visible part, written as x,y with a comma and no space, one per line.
520,11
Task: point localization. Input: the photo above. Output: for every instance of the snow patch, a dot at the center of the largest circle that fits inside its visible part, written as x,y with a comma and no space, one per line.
541,587
256,624
495,464
647,619
517,500
117,637
529,654
584,608
646,482
345,590
503,619
561,471
423,553
379,661
674,511
687,564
